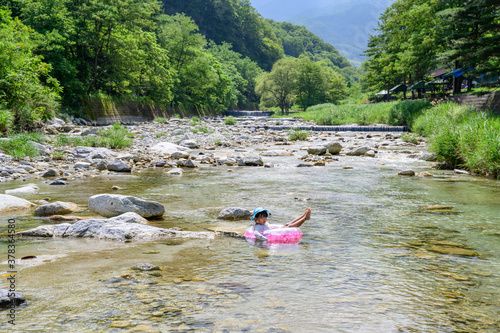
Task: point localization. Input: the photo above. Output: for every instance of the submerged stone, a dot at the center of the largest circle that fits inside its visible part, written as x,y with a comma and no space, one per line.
453,251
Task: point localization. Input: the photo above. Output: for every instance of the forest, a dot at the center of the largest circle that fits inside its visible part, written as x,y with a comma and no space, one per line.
194,56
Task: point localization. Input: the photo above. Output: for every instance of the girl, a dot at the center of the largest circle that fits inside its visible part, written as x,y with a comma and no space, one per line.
260,216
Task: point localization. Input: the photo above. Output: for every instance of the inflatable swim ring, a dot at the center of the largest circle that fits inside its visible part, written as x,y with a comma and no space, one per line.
277,234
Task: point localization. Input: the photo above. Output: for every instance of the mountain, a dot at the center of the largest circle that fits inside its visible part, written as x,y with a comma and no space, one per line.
346,24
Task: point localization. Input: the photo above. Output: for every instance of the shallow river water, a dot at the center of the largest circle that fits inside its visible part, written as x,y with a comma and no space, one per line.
371,259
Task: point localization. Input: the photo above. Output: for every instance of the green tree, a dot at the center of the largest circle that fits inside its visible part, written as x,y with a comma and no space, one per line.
279,85
312,83
27,92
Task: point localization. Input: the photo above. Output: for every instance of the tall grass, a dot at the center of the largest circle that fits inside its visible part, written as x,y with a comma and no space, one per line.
392,113
20,146
115,137
462,137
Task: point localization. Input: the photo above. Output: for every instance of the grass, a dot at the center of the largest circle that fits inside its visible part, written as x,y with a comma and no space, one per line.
20,145
202,129
59,155
114,137
462,137
411,138
195,121
297,134
393,113
230,120
160,120
159,135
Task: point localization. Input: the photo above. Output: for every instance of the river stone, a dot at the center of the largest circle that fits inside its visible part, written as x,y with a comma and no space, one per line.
110,205
316,150
56,208
101,165
24,190
250,160
189,143
187,163
119,166
10,203
176,171
167,148
99,153
49,173
359,151
179,154
453,251
120,228
333,148
81,165
57,182
81,151
41,148
406,173
16,299
234,213
276,153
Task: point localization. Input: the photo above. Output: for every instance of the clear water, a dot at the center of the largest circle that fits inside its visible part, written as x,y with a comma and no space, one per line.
362,266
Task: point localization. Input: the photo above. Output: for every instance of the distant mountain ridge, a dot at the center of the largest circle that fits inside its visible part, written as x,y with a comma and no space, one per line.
344,24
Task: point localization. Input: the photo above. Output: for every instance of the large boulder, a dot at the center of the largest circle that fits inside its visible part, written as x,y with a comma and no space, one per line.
359,151
110,205
10,203
119,166
23,190
250,160
56,208
333,148
316,150
234,213
167,148
125,227
8,297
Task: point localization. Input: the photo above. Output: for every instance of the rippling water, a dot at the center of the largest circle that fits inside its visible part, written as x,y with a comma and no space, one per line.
370,261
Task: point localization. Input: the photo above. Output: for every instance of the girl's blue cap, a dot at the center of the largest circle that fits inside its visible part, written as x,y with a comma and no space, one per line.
259,210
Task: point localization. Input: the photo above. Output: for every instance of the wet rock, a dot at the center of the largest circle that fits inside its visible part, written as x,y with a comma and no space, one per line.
453,251
57,182
370,153
7,297
187,163
425,174
406,173
10,203
176,171
49,173
305,165
234,213
276,153
121,228
358,151
56,208
60,218
24,190
146,267
461,172
110,205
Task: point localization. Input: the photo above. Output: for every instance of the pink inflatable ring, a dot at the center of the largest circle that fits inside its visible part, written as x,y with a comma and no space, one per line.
277,234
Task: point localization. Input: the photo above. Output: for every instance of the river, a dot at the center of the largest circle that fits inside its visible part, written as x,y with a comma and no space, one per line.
372,259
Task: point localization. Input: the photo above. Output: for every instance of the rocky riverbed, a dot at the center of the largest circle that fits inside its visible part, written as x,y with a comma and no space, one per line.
173,147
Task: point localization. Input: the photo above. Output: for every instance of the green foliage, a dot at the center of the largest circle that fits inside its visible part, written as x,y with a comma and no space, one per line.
59,155
20,146
330,114
297,41
235,22
159,135
6,121
114,137
230,120
195,121
297,134
462,137
160,120
404,113
26,88
202,129
411,138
